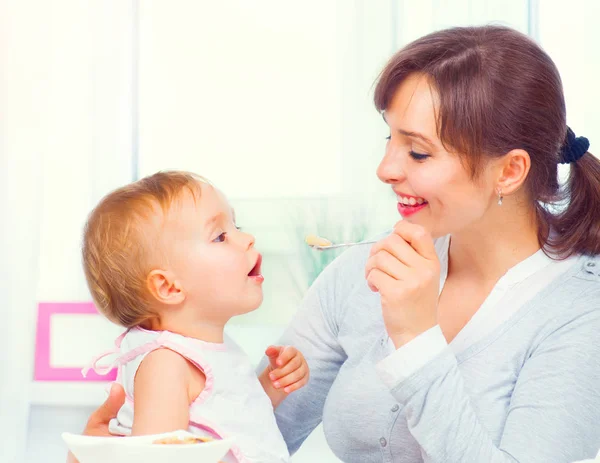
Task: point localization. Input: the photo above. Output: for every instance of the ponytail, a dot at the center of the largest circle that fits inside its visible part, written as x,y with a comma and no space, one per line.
577,227
498,90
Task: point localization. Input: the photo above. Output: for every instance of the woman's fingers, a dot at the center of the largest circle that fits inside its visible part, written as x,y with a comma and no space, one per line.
397,247
418,238
388,264
98,422
379,281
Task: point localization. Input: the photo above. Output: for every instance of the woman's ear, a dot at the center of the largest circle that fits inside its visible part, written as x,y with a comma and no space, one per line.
513,169
164,287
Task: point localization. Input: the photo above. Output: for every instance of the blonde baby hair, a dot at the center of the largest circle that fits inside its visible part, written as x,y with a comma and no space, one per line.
116,239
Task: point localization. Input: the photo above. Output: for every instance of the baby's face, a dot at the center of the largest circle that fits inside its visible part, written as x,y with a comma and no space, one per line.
216,263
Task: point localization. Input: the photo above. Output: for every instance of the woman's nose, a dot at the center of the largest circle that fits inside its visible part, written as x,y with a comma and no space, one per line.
390,169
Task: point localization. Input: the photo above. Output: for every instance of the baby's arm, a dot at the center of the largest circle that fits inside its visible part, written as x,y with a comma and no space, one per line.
287,372
165,386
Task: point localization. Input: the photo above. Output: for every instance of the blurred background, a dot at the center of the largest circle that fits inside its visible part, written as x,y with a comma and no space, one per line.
270,99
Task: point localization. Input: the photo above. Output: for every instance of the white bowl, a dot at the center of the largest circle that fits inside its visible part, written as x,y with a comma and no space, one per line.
595,460
139,449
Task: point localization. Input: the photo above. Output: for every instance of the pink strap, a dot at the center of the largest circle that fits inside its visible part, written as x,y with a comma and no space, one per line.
126,358
104,370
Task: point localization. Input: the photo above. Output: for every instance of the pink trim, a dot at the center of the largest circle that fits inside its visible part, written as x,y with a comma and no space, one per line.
43,370
199,363
164,341
207,428
119,340
210,427
103,370
205,344
140,350
168,340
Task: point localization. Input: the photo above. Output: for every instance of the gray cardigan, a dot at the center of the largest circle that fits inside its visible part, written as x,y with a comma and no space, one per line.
529,392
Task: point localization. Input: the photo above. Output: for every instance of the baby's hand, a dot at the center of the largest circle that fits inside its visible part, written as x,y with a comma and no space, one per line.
288,369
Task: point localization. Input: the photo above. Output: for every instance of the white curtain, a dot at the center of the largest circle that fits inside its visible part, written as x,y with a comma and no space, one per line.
571,40
66,137
22,141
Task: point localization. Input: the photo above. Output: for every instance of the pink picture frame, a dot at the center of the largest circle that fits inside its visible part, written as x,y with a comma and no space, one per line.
44,371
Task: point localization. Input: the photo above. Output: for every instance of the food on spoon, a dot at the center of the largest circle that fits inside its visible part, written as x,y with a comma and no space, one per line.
182,441
314,240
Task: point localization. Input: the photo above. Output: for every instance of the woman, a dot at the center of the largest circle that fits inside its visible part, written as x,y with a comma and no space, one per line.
468,333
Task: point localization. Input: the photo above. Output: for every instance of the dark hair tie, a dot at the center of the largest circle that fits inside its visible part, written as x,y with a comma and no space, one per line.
573,148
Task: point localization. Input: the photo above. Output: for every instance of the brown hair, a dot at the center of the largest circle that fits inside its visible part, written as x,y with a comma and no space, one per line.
500,91
116,240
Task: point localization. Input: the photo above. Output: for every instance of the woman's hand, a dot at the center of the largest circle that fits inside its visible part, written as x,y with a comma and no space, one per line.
287,372
405,270
97,424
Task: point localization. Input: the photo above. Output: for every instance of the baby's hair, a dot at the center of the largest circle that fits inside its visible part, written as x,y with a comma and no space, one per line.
116,239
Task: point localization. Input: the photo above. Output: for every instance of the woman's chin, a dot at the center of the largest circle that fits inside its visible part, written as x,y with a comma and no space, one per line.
433,231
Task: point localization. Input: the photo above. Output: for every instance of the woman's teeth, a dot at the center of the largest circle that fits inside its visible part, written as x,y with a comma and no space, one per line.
410,201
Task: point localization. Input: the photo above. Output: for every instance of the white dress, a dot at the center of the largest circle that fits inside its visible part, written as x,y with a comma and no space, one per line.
233,402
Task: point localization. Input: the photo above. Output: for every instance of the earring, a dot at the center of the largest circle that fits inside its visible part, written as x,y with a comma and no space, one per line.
500,197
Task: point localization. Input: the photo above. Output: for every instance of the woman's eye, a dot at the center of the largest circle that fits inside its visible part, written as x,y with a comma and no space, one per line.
220,238
389,137
418,156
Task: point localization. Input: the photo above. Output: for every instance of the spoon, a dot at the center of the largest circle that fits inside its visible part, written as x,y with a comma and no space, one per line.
323,244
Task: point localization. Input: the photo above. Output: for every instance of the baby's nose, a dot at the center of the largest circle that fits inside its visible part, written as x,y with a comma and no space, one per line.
250,240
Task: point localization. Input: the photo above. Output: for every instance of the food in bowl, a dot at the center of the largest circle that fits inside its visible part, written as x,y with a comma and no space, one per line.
174,440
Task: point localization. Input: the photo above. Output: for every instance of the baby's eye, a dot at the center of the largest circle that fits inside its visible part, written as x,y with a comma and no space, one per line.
220,238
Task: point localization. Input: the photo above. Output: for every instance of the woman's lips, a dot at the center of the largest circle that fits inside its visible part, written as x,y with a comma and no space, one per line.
409,200
406,211
409,205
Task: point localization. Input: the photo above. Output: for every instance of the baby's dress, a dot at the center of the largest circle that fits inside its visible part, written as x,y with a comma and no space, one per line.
233,402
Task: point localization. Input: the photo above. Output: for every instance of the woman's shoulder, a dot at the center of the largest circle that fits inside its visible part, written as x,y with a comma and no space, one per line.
582,283
584,287
589,269
566,312
572,299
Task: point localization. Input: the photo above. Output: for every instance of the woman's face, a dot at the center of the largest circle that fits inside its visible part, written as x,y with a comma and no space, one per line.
433,187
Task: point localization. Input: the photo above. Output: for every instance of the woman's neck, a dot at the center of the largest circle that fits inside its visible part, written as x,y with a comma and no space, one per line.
487,251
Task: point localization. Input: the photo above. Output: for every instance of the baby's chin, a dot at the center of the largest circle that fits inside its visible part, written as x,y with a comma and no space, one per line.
254,303
248,304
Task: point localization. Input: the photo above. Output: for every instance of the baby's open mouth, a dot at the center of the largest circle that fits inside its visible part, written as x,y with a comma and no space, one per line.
256,269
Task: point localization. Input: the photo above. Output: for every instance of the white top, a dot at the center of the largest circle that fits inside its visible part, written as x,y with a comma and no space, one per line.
514,289
232,404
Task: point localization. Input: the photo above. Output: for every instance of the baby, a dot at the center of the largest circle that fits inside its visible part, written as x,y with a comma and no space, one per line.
163,258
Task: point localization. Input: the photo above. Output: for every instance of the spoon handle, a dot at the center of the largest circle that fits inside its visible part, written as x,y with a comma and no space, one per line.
343,245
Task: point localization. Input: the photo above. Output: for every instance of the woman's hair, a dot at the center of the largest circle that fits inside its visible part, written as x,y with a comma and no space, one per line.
118,240
500,91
